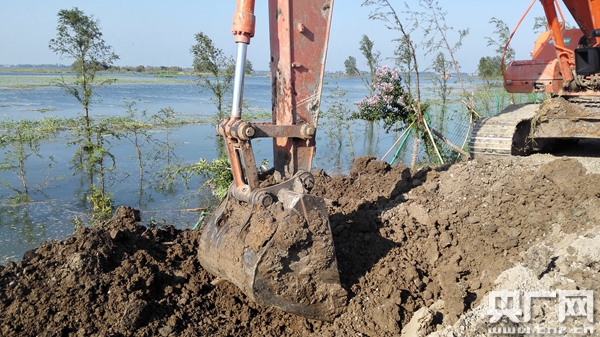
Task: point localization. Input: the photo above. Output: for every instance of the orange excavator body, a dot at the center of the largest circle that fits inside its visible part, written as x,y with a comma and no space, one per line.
565,66
560,55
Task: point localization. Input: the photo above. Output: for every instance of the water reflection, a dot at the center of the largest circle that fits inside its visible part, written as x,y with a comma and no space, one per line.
19,218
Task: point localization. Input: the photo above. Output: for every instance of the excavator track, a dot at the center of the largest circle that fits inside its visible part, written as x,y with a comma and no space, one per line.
504,134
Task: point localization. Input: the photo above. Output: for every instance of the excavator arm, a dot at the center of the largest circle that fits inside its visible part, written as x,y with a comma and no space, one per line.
299,33
269,236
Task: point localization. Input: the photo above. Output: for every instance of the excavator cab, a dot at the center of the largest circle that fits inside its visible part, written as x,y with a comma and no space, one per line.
269,236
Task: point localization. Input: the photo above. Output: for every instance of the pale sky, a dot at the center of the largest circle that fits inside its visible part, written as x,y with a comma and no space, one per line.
160,33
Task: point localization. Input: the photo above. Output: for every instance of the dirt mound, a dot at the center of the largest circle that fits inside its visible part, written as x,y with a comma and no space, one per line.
434,240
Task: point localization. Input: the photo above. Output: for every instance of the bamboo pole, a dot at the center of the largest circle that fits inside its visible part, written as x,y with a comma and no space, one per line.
397,141
437,151
449,143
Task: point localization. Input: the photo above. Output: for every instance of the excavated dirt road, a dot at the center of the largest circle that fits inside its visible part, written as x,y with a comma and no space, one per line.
433,242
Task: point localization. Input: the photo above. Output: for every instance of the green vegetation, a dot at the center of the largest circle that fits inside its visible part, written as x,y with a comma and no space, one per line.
215,71
102,203
502,33
426,119
79,37
391,100
93,138
20,140
390,103
336,124
249,68
350,65
166,119
489,69
373,58
217,174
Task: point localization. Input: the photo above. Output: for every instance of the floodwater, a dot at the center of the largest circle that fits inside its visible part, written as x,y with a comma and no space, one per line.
59,195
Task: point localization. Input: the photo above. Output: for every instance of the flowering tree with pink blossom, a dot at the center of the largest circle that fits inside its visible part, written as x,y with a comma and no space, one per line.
405,105
390,101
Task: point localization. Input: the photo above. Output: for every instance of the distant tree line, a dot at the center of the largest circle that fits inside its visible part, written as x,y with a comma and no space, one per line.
29,65
154,69
136,69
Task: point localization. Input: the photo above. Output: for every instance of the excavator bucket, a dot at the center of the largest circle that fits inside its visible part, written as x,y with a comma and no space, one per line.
281,255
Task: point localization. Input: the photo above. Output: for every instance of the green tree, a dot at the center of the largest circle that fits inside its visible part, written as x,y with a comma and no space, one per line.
390,103
441,66
336,123
404,60
385,12
249,69
489,68
440,36
134,128
373,58
350,64
540,24
502,33
167,120
79,37
215,71
20,140
101,163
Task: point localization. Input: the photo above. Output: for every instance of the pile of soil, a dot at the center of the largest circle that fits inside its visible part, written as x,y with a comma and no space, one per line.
436,238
